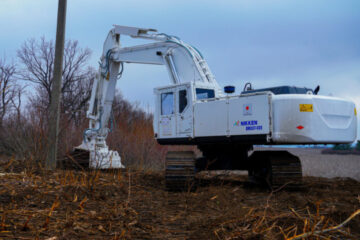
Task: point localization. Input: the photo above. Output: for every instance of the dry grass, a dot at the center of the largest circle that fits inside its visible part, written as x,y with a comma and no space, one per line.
134,205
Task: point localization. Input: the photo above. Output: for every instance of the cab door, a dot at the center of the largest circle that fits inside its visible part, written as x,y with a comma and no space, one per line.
167,118
184,114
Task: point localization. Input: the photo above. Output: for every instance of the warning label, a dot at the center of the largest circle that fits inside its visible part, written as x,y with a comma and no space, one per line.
306,108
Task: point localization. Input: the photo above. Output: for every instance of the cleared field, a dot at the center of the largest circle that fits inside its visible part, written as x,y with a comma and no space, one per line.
132,204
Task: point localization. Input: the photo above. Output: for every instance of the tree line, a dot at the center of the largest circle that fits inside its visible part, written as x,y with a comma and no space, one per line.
25,95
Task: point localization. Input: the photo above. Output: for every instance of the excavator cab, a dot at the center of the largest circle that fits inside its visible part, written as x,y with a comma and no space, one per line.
174,110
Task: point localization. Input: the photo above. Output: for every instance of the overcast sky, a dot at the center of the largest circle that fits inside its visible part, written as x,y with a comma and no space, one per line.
279,42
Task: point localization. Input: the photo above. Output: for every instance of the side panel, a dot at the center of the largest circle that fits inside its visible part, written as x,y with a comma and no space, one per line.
249,115
167,126
313,119
211,118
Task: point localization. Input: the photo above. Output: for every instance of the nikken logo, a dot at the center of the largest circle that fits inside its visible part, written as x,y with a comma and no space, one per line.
249,123
246,123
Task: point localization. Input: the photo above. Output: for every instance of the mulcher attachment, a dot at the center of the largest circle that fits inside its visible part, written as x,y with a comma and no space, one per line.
276,169
180,171
78,159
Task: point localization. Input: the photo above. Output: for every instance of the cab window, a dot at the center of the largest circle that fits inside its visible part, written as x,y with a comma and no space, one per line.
182,100
202,93
167,103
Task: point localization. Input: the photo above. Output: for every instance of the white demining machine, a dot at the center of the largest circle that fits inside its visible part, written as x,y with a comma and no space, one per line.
194,110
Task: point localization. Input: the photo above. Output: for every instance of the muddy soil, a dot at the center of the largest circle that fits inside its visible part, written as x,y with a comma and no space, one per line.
135,205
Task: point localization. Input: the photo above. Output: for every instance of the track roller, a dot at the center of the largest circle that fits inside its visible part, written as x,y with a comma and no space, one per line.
275,169
180,171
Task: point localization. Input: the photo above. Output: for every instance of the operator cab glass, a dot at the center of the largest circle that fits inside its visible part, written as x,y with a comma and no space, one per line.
167,103
182,100
202,93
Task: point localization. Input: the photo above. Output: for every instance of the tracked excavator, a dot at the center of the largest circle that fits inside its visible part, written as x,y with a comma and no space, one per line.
194,110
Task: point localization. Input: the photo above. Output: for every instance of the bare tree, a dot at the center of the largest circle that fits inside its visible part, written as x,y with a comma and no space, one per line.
37,58
9,89
16,102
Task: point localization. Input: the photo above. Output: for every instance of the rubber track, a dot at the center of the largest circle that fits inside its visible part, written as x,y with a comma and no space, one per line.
286,172
180,170
283,168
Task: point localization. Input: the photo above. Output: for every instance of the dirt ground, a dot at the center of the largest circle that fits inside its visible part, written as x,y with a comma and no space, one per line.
135,205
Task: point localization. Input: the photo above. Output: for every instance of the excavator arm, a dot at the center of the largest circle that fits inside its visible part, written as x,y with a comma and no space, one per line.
183,62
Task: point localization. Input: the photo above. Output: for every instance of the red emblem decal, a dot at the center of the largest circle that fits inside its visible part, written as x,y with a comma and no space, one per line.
299,127
247,107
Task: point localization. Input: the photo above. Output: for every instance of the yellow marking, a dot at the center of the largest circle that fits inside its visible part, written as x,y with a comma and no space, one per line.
306,108
108,76
355,111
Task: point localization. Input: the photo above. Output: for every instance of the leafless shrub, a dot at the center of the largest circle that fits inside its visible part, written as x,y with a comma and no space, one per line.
10,91
133,136
10,107
26,130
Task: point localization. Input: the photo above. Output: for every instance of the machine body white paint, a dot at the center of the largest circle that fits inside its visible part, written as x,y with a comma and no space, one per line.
231,116
332,120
